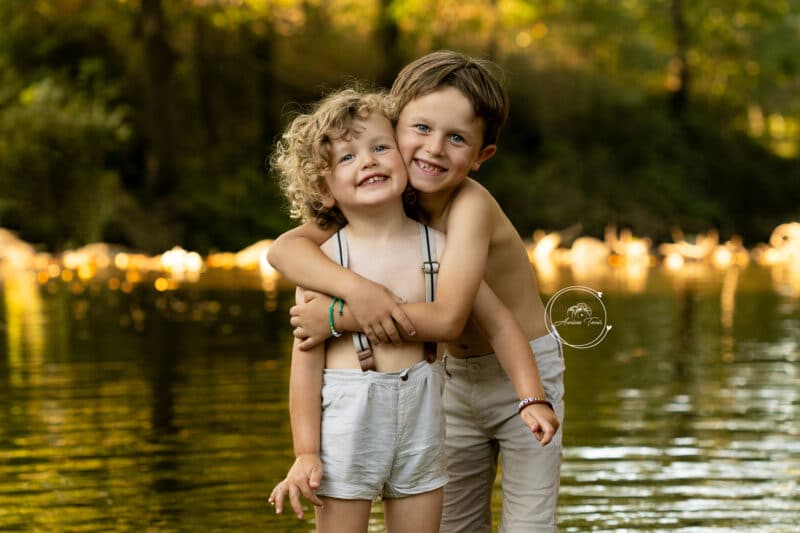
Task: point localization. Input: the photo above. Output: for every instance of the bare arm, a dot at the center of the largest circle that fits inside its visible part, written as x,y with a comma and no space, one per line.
305,398
305,411
517,359
296,254
469,231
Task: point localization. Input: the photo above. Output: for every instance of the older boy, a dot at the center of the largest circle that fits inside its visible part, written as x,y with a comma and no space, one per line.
451,111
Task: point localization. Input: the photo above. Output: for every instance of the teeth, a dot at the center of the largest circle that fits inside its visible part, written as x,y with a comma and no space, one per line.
374,179
429,168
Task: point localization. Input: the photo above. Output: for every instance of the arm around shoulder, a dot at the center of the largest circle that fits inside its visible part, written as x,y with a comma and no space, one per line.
292,252
470,225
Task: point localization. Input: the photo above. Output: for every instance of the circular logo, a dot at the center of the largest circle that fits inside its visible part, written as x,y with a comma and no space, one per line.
577,316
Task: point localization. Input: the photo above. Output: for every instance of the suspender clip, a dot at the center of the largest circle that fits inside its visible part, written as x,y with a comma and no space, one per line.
430,267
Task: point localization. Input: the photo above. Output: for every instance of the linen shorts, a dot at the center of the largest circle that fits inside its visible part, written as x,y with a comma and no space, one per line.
382,433
482,423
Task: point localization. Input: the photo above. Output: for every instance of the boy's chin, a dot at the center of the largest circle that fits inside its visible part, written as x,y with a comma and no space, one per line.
427,185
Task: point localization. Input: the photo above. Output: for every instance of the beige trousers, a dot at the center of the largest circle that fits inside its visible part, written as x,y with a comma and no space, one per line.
482,422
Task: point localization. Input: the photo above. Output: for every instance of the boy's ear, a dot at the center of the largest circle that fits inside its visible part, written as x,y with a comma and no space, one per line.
485,154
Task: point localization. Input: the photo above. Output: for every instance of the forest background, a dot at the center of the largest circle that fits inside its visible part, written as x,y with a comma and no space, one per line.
148,122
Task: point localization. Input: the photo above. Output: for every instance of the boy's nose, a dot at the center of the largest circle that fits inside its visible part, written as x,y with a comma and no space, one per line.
435,145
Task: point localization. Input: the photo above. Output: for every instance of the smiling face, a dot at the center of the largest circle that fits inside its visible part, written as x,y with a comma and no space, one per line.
440,139
366,169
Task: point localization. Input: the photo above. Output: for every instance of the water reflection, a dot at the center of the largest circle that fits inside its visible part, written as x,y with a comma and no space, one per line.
143,409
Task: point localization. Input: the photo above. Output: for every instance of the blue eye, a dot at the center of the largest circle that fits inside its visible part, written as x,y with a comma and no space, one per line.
457,138
345,157
422,128
381,148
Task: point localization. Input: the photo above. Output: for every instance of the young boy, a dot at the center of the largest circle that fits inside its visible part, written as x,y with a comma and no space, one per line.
451,111
376,433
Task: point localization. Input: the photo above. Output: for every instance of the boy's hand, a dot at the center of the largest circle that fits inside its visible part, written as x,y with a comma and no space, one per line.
310,319
376,310
303,478
542,421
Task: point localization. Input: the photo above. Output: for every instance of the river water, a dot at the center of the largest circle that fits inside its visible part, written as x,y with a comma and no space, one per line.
123,408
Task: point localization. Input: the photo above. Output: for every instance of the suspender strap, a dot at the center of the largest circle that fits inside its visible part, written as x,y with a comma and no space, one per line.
430,269
360,341
430,266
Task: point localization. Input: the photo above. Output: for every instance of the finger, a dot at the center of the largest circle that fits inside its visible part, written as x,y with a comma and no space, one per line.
295,321
299,333
310,496
294,310
370,333
315,478
402,320
280,495
547,435
294,499
310,295
391,331
307,343
380,333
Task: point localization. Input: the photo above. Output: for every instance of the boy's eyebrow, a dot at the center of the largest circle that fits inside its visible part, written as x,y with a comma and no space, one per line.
383,137
421,118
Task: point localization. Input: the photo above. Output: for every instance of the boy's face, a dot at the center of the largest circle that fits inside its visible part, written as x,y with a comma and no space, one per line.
440,139
366,167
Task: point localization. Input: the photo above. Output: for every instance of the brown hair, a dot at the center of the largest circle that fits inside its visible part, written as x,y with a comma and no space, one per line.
475,78
302,155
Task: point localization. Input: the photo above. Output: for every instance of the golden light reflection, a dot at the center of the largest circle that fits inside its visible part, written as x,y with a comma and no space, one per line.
624,258
782,256
620,257
540,255
588,258
727,307
161,284
695,258
25,331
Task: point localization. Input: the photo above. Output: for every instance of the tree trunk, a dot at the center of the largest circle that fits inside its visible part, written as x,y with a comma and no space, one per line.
159,66
679,98
388,38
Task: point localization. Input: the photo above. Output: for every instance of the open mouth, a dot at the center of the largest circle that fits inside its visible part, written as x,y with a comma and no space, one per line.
372,180
429,168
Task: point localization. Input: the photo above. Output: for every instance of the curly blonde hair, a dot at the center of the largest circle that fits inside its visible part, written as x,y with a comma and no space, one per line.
302,156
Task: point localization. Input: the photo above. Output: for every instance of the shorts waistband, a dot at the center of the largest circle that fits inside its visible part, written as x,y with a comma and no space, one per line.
413,373
545,346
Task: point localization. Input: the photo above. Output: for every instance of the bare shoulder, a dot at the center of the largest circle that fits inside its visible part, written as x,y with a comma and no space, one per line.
472,204
470,191
329,247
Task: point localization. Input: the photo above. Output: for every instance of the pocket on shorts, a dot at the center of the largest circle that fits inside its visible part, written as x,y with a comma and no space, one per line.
331,396
551,369
437,374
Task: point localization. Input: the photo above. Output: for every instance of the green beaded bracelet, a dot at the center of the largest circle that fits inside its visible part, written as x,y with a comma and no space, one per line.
335,333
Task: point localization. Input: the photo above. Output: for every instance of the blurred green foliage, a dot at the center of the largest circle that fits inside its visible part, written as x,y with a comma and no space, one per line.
148,122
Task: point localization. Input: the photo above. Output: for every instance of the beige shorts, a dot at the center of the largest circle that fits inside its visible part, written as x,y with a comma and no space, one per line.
382,433
482,422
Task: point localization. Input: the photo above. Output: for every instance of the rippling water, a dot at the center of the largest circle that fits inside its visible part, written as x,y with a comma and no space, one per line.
142,410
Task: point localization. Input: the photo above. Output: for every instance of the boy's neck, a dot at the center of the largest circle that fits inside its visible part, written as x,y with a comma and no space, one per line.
377,222
435,204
